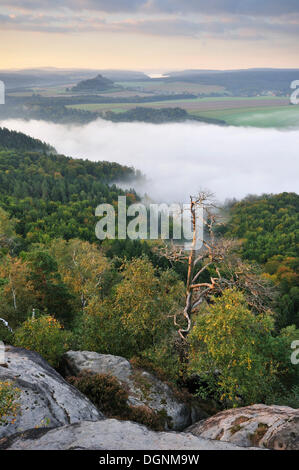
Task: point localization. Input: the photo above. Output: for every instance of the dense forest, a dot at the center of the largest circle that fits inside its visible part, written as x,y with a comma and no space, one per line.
52,195
62,289
269,228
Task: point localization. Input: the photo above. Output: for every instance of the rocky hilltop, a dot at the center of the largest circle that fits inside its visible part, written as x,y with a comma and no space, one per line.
55,415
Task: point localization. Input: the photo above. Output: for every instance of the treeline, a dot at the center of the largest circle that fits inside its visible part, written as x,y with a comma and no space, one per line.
157,116
63,114
65,100
54,113
58,109
152,115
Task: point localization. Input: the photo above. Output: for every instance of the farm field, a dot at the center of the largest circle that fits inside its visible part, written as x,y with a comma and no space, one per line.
133,88
61,91
280,116
259,111
191,105
165,87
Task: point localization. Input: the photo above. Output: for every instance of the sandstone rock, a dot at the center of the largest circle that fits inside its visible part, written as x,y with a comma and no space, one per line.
143,388
75,362
109,434
272,427
46,398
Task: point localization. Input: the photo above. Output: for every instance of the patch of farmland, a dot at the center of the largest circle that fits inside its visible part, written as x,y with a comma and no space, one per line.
279,117
165,87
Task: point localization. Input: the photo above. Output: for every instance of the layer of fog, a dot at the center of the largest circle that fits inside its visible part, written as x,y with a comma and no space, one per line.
179,159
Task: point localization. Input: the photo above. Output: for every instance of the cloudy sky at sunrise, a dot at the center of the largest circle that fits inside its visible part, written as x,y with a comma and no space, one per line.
139,34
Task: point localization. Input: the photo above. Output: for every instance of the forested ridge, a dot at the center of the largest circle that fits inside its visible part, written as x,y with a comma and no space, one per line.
268,227
18,140
52,195
61,289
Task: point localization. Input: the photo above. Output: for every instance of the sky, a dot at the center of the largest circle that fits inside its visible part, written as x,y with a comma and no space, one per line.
180,159
149,35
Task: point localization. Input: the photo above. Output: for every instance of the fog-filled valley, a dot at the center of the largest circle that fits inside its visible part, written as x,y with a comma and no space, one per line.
149,221
178,159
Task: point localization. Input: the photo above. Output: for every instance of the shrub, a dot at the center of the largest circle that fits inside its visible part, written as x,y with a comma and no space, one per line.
146,364
44,335
286,398
109,396
104,391
155,420
9,405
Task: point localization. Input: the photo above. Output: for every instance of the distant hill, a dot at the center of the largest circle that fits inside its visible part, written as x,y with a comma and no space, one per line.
99,83
44,77
241,82
124,75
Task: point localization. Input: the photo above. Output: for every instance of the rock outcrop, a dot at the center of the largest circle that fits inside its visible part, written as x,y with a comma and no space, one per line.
109,434
46,399
272,427
143,388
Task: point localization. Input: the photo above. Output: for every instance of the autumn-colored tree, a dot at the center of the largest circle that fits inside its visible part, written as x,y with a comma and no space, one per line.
16,290
138,316
82,267
231,350
146,301
44,335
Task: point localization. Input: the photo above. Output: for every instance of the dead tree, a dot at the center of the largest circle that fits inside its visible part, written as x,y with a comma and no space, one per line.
219,256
